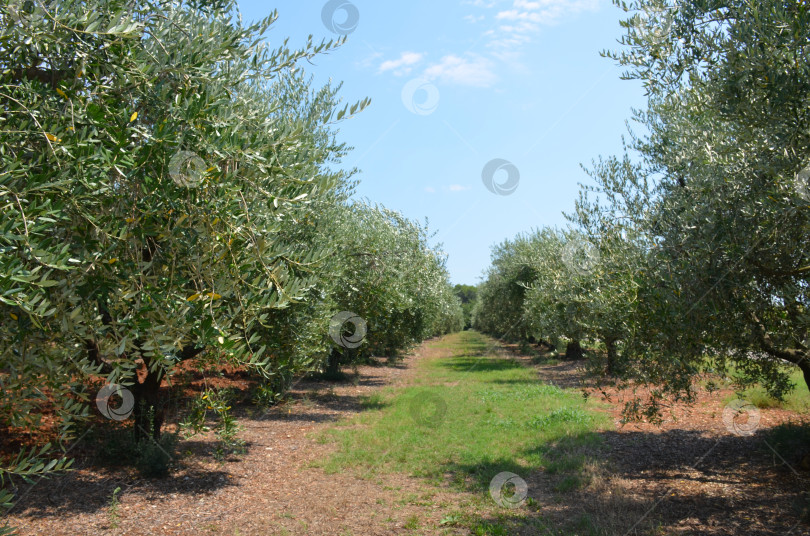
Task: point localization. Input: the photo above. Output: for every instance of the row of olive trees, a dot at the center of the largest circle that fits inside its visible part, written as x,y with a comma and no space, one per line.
386,274
557,287
690,252
168,188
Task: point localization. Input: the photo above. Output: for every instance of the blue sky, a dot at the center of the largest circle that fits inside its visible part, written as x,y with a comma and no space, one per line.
456,84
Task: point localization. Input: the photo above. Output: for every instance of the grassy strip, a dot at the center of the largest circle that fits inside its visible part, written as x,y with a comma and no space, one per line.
797,400
466,418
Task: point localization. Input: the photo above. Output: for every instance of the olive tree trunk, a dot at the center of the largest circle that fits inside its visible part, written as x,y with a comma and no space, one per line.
574,350
612,356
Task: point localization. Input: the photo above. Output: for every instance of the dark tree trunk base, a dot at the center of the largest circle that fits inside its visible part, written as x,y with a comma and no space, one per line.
574,350
546,346
804,365
333,365
148,413
612,357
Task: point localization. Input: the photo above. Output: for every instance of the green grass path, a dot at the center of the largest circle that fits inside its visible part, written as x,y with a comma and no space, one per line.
467,414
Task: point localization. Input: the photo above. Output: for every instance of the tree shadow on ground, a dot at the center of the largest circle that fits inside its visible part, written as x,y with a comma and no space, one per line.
718,484
317,384
473,364
318,407
565,374
397,362
630,482
82,491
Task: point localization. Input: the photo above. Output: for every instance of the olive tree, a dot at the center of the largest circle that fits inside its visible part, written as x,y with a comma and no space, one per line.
161,165
499,310
391,281
701,226
558,296
725,221
612,216
533,291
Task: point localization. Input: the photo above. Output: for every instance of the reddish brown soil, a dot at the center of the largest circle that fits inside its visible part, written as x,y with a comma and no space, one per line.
272,489
687,476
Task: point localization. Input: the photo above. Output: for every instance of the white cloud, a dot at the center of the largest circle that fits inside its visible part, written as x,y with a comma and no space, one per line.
470,71
458,188
403,65
545,11
512,26
430,189
480,3
522,27
514,14
523,20
369,60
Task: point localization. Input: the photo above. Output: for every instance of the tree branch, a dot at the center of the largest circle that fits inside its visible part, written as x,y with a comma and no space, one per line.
190,352
94,353
50,77
793,355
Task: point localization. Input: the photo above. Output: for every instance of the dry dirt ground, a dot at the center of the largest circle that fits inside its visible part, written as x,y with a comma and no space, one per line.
272,489
688,476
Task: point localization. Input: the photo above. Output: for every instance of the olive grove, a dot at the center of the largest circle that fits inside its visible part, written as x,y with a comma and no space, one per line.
171,188
689,250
